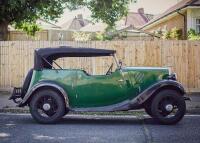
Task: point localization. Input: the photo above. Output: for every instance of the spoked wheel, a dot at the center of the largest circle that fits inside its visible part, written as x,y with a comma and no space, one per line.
168,107
47,106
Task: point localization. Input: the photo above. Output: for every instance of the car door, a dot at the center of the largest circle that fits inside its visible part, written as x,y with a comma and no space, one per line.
100,90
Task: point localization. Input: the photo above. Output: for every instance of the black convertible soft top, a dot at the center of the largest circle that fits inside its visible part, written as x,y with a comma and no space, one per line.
43,58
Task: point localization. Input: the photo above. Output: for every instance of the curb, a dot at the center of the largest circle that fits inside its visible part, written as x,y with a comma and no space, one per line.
131,112
26,110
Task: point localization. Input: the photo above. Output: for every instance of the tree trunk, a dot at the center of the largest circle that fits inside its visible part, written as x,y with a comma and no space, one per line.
3,31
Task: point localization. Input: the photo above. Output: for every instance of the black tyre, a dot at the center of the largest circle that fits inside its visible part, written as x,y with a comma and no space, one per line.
47,106
168,107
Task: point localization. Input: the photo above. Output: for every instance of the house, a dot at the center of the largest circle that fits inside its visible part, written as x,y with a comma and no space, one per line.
133,33
48,32
94,27
75,23
137,19
133,19
44,24
184,15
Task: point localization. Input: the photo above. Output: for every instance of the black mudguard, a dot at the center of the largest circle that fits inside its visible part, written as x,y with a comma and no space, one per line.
152,90
42,84
18,93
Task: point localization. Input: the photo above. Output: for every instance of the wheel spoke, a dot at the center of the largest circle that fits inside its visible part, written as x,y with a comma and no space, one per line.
162,107
47,100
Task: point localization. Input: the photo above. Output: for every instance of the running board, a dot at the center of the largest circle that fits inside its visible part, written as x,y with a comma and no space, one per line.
123,106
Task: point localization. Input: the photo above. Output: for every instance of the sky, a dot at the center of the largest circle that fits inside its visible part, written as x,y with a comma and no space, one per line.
150,7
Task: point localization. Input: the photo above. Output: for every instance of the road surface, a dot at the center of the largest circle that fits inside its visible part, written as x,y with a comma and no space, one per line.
21,128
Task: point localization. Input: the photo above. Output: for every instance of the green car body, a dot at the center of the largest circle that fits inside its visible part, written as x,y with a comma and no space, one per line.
101,90
55,92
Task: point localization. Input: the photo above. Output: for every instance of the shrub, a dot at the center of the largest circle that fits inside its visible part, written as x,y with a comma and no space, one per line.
176,33
82,36
166,35
173,34
192,35
99,36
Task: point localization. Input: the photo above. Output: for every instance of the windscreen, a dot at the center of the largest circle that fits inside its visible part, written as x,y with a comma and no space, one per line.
90,65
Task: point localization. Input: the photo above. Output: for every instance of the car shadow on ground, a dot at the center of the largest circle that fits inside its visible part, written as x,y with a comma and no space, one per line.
108,121
96,120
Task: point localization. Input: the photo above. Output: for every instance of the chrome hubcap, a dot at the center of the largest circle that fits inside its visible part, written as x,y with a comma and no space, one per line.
46,106
169,107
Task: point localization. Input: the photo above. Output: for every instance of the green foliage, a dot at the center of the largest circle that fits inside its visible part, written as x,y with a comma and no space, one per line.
85,36
192,35
82,36
192,32
108,11
99,36
24,13
166,35
173,34
108,37
18,12
176,33
29,28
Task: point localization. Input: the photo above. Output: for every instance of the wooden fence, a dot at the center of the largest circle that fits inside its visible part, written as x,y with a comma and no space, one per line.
16,58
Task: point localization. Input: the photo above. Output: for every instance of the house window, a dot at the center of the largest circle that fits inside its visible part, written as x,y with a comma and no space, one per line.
198,25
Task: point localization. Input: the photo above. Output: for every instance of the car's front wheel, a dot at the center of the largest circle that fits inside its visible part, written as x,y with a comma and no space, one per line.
47,106
147,108
168,107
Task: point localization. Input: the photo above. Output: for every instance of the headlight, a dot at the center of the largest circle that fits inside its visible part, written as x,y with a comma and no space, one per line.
175,75
172,76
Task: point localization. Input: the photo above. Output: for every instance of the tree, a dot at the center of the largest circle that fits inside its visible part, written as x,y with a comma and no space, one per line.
24,13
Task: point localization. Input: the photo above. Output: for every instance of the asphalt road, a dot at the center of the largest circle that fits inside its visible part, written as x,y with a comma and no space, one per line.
21,128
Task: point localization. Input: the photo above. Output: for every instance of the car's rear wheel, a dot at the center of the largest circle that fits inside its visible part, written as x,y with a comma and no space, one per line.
168,107
47,106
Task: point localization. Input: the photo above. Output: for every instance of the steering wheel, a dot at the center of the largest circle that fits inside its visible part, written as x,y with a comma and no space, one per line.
109,70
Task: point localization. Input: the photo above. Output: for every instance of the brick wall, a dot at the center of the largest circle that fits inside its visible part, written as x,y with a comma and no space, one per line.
177,21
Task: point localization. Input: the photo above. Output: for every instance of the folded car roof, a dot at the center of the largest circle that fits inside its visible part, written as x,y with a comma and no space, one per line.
66,51
49,54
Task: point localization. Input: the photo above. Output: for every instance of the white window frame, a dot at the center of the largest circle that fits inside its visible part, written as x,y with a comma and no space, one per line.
197,25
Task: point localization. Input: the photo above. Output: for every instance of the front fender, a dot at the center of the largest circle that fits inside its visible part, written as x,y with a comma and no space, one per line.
152,90
42,84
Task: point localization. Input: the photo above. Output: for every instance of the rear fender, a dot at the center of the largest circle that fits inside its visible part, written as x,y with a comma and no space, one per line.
45,84
154,89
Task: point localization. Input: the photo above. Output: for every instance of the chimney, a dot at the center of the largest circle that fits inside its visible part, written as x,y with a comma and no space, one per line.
80,16
141,10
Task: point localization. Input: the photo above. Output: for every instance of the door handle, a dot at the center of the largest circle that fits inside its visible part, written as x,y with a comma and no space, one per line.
120,80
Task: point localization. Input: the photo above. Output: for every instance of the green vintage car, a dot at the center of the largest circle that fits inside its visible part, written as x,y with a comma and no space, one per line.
51,93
